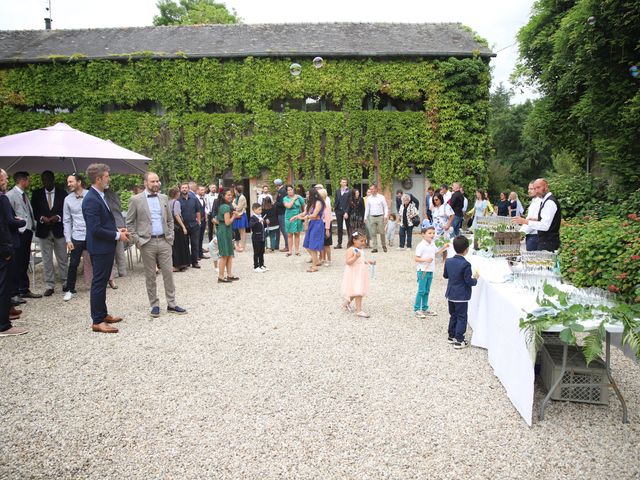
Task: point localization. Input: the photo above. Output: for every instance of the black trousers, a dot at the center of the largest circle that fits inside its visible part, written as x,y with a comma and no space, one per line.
340,221
194,236
258,253
200,249
22,263
79,246
5,295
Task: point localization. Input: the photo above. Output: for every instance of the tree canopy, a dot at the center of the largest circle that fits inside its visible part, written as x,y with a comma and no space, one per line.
193,12
579,53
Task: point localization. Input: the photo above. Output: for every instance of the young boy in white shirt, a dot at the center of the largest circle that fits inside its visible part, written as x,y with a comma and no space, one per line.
425,259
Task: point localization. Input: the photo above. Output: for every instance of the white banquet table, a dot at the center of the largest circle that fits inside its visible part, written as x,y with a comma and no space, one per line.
495,310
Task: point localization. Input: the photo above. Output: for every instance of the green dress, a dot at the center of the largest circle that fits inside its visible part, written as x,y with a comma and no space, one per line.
296,225
223,233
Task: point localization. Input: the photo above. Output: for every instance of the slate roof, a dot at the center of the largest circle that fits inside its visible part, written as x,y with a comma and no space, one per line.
237,41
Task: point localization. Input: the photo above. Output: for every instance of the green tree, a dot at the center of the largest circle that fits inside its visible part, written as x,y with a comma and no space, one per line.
578,53
519,154
193,12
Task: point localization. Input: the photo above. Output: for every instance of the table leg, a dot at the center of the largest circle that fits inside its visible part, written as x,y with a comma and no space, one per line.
565,351
625,417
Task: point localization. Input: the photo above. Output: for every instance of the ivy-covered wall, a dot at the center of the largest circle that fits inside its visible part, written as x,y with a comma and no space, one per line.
448,137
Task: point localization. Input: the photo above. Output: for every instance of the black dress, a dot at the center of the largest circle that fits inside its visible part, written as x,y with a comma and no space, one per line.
503,208
180,249
356,216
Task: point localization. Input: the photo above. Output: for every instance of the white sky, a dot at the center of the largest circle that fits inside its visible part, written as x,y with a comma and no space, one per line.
496,20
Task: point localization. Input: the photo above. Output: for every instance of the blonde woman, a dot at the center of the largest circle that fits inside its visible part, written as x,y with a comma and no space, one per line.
515,207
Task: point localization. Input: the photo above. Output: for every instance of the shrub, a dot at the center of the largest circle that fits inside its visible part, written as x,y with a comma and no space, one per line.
603,253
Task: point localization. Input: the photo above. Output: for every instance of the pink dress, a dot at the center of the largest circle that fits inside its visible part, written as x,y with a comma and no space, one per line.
355,281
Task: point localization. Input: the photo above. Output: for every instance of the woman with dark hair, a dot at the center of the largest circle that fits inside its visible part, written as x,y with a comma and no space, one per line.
293,203
355,212
503,205
314,239
241,222
226,216
180,249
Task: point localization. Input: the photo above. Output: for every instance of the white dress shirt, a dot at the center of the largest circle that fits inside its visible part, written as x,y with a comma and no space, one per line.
532,214
546,214
376,206
72,219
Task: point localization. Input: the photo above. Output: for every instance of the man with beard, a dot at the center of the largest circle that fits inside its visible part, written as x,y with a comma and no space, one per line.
150,224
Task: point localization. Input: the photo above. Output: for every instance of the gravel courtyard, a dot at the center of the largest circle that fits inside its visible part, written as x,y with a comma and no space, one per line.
269,378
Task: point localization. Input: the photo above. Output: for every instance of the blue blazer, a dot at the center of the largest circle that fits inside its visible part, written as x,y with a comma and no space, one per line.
101,226
8,217
458,271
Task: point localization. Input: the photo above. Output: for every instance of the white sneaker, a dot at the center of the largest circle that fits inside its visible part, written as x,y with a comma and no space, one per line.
264,269
400,248
429,313
419,314
67,296
258,270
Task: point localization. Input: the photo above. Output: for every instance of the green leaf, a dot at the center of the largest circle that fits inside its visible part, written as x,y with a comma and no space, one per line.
567,336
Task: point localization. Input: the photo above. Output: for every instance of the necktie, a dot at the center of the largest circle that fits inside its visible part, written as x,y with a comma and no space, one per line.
152,195
79,196
24,198
49,200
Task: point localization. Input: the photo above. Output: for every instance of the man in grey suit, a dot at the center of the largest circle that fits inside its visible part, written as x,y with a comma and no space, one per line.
21,205
150,223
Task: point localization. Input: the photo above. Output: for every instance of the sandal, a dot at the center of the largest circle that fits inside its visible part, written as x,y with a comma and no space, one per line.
223,280
232,279
113,285
362,314
347,307
288,254
298,254
312,270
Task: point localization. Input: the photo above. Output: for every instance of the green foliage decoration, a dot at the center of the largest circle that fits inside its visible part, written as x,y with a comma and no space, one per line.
557,309
603,253
245,137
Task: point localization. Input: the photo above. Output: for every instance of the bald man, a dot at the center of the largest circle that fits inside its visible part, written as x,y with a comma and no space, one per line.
547,223
150,223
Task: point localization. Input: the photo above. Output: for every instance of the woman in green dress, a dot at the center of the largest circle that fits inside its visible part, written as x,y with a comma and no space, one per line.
225,218
293,226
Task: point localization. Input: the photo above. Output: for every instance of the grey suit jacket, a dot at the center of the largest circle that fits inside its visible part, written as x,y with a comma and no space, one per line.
139,219
22,210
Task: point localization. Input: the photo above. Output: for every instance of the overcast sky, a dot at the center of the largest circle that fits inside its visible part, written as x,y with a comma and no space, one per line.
496,20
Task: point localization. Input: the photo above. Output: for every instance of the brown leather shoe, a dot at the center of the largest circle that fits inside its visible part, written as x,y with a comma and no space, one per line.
15,311
110,319
14,317
103,328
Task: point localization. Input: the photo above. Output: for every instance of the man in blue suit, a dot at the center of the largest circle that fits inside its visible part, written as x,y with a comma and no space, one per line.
102,236
458,270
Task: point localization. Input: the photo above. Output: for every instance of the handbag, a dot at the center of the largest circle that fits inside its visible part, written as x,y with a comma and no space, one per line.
415,220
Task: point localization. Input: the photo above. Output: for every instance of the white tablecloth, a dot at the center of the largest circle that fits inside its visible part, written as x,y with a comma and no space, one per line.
495,310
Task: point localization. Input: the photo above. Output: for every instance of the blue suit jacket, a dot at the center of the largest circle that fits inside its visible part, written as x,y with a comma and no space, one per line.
458,271
101,226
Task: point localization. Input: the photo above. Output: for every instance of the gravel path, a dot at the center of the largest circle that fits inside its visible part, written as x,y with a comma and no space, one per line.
268,378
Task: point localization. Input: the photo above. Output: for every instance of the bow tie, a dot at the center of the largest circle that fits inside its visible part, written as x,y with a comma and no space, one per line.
79,196
151,195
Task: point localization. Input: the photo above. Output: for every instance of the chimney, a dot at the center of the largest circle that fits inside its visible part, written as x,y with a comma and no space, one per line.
47,24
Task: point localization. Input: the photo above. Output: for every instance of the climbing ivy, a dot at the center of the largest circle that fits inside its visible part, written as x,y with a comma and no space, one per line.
447,136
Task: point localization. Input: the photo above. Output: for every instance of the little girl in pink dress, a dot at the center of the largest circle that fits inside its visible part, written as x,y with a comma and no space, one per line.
355,281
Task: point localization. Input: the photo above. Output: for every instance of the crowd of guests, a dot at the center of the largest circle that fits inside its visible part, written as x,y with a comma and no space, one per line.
86,222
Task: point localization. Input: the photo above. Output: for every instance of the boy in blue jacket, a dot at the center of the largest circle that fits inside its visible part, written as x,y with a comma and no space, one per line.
458,293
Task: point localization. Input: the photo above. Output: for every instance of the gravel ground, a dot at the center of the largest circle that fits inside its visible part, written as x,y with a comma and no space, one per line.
268,378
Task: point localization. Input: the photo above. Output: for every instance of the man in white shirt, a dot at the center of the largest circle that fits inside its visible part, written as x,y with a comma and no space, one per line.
210,199
531,235
548,219
376,213
446,194
264,194
75,230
